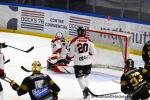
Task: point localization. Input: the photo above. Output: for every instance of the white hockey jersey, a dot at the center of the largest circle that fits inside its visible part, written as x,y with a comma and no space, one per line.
2,61
81,49
59,46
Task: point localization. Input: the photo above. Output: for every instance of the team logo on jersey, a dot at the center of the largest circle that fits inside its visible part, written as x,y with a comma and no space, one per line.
39,93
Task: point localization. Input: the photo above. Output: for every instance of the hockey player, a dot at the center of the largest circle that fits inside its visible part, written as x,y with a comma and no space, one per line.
59,51
134,82
146,55
81,49
39,86
2,73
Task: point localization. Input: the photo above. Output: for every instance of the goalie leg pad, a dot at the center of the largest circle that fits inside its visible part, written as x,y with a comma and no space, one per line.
57,70
50,65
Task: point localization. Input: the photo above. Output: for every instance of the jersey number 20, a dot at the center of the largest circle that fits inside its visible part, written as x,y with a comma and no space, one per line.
82,48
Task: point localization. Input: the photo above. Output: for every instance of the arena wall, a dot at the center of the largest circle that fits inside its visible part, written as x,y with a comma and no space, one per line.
46,22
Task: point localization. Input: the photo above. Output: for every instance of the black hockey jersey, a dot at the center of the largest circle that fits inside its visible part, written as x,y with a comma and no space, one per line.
133,80
146,55
39,86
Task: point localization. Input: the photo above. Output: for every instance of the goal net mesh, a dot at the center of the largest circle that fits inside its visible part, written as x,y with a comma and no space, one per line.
112,51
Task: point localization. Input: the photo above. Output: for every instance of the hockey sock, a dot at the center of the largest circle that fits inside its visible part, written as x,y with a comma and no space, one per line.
82,82
86,81
1,95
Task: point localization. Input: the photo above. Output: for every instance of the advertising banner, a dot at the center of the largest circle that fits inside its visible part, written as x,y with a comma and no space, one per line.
8,19
31,19
46,21
140,33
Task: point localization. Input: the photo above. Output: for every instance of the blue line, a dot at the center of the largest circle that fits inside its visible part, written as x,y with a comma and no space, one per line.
76,12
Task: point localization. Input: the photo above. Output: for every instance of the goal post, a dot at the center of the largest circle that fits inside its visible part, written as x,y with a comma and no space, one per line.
112,51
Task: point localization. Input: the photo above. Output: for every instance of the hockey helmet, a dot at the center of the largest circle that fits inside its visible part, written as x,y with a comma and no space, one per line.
146,52
81,31
36,66
129,64
59,35
146,46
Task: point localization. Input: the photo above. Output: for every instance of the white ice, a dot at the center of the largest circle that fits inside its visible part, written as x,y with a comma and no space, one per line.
99,83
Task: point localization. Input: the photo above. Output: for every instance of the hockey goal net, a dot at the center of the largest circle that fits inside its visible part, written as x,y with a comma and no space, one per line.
112,51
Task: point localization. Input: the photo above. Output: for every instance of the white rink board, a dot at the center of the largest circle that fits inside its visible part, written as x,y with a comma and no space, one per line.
51,21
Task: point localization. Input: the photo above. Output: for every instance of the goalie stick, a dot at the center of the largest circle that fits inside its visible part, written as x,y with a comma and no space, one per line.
62,66
66,70
27,51
101,95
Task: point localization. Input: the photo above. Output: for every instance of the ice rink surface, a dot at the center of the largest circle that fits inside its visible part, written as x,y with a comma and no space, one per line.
100,83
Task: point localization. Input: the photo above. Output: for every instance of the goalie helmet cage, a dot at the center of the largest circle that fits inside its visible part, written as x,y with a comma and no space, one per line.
114,49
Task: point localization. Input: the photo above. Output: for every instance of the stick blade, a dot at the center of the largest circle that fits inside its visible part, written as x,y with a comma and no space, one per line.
30,49
23,68
7,61
101,95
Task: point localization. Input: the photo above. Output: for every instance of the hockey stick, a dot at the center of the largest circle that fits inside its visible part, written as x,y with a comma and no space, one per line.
27,51
7,61
26,70
7,79
66,70
115,81
101,95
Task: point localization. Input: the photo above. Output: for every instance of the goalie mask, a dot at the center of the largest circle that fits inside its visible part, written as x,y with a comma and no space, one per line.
80,31
59,35
36,66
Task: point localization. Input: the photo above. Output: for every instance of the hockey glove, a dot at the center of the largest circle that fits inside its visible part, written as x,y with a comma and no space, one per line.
3,45
55,96
66,61
2,74
14,85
